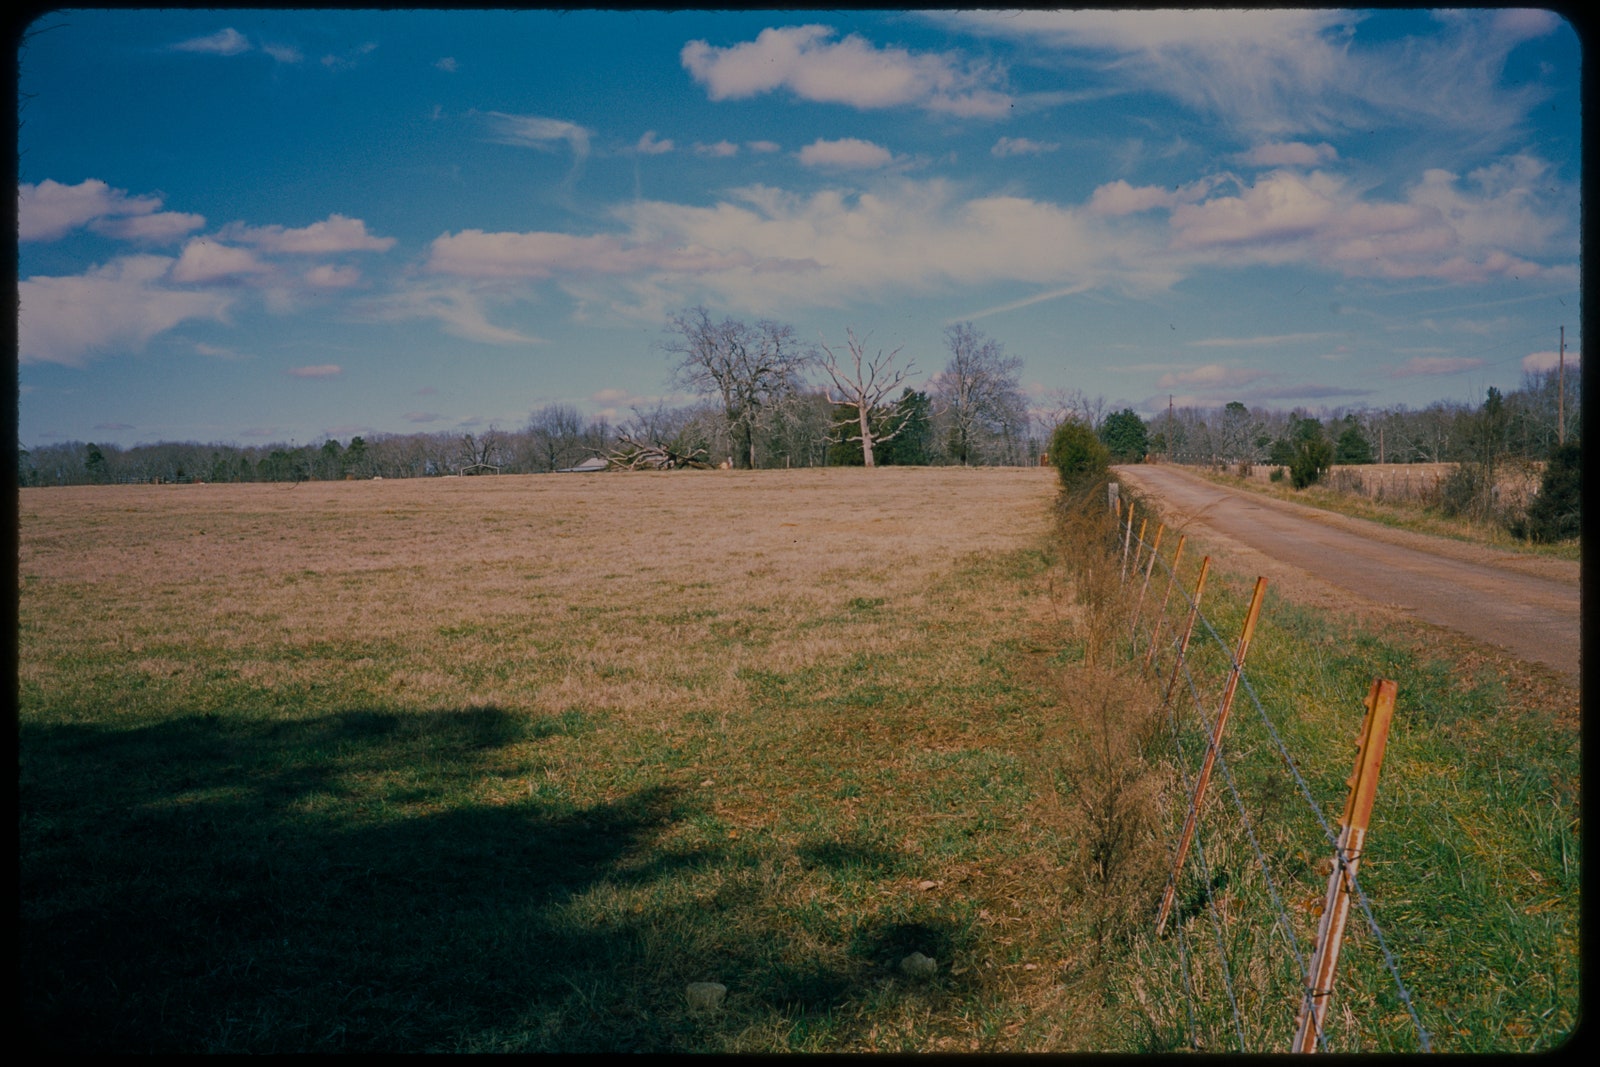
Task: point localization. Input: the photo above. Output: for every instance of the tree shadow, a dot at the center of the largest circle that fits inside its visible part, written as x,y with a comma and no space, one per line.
226,883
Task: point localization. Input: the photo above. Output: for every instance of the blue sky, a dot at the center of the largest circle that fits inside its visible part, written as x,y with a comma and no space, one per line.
264,226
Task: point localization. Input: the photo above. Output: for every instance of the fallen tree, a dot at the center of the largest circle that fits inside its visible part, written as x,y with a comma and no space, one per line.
632,455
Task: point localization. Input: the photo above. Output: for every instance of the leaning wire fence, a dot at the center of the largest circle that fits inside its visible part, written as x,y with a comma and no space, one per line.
1247,899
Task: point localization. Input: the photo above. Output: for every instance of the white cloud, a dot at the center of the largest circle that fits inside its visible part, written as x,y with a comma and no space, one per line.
1461,232
122,304
329,276
810,64
848,152
650,145
50,210
720,150
1543,361
1021,146
283,53
206,261
446,64
228,42
763,146
336,233
1289,154
321,370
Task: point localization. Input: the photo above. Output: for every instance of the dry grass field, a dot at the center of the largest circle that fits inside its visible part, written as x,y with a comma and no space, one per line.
506,763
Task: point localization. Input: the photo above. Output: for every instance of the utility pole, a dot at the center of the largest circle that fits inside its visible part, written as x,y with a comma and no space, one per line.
1561,392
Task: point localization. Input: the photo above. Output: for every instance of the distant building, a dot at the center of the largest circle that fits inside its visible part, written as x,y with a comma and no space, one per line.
478,468
593,463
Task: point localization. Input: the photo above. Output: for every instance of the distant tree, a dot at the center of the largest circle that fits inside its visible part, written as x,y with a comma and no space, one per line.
979,394
94,463
554,438
330,464
1353,446
1125,436
355,457
860,384
1235,434
751,370
911,444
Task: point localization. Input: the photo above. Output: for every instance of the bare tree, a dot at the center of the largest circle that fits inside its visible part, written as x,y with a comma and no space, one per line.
862,385
481,451
978,393
751,370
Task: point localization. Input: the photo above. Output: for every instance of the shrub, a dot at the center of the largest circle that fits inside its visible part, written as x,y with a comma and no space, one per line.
1276,474
1078,455
1466,491
1556,513
1312,457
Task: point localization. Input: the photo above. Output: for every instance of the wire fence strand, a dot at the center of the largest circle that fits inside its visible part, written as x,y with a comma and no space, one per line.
1284,923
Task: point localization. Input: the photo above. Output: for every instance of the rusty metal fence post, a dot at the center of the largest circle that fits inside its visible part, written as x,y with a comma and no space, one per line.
1188,629
1346,859
1226,706
1161,615
1138,605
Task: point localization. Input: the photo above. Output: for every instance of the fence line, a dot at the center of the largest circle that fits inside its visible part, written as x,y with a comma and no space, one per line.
1345,859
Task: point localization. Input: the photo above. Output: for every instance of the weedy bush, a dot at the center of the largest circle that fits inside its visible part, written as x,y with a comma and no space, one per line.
1078,455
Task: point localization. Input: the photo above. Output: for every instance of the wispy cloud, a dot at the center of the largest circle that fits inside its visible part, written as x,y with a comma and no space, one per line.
457,309
226,42
1284,73
1421,366
320,370
1262,341
1210,376
651,145
1021,146
808,62
536,131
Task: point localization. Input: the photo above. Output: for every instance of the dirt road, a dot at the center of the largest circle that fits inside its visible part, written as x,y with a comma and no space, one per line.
1526,605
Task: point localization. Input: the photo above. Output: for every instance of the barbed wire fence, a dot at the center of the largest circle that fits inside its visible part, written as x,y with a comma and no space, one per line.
1257,939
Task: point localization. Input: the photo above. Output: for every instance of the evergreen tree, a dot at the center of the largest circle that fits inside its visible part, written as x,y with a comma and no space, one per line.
1125,436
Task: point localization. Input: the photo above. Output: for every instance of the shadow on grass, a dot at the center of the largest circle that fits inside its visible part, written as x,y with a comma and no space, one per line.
339,882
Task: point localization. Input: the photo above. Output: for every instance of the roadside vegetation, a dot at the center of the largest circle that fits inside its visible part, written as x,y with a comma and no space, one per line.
505,764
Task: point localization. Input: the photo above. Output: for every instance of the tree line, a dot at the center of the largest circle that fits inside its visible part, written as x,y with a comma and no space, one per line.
1526,423
764,399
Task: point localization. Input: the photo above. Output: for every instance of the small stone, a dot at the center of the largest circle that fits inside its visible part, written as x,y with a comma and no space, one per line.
705,996
917,965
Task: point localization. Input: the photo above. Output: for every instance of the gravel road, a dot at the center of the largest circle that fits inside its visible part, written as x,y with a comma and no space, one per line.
1526,605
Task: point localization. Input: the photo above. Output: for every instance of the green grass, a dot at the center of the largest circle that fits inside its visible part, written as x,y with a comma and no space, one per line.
337,815
1472,863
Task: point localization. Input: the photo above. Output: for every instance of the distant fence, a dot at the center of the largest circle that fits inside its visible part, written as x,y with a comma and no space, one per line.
1257,936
